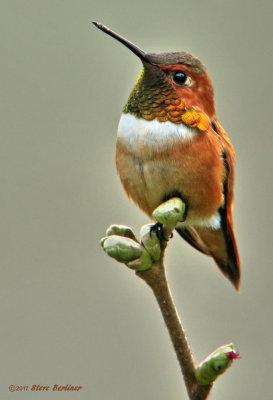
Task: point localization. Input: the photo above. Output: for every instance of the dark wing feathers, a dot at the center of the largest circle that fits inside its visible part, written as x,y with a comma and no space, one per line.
219,244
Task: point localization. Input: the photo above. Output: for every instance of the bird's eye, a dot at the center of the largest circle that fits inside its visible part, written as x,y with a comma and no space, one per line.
181,78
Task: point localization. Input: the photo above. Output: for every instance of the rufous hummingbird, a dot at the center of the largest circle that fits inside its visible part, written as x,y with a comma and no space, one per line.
170,144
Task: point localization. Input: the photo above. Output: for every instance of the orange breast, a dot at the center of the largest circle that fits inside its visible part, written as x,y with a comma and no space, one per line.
193,168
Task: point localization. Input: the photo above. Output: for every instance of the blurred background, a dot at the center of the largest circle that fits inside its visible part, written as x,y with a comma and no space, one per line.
69,314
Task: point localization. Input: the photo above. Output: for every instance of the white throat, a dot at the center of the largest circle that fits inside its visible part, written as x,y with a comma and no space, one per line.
155,134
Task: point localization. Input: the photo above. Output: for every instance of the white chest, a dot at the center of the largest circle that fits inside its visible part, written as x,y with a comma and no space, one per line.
156,135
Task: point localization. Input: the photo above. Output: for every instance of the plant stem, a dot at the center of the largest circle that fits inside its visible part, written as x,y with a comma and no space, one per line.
155,277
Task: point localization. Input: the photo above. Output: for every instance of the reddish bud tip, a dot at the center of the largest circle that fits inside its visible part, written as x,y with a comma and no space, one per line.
231,355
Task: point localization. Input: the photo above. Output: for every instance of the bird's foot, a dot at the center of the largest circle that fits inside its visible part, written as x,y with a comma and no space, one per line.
158,230
121,243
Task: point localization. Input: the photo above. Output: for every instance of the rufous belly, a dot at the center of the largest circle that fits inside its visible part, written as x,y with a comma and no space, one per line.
151,172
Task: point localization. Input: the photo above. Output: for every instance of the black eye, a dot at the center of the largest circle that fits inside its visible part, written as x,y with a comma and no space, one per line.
179,77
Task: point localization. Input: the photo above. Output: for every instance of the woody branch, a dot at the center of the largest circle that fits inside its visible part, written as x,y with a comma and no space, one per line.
147,259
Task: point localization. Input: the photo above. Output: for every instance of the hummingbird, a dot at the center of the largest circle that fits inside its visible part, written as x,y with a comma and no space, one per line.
170,144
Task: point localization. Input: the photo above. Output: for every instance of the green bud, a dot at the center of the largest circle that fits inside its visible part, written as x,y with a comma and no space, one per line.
121,230
170,212
127,251
215,364
150,241
142,263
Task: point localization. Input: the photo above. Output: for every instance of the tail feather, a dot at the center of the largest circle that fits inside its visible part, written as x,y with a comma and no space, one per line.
219,244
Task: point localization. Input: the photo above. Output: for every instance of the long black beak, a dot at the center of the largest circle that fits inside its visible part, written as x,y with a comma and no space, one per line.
140,53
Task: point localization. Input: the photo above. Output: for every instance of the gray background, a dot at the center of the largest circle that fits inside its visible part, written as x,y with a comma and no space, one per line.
69,314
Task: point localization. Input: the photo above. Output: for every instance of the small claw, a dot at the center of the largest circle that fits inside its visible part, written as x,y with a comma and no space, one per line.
159,231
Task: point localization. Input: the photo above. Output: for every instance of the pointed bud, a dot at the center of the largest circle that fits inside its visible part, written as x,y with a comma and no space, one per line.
215,364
